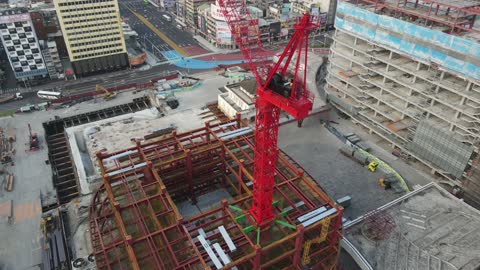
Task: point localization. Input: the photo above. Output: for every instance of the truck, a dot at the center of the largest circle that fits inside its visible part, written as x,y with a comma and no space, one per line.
27,108
167,18
16,96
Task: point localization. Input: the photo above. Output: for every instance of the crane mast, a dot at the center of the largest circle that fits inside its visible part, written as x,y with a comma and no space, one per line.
280,87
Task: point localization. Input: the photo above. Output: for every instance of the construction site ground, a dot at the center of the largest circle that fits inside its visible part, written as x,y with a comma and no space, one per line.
312,146
426,229
20,248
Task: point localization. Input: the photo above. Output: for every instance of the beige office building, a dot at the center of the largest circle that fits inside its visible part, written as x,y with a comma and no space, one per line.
93,34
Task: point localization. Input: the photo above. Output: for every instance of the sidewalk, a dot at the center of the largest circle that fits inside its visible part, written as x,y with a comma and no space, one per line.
152,60
207,45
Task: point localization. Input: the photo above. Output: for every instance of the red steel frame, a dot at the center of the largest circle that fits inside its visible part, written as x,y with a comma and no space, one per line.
134,223
463,17
269,104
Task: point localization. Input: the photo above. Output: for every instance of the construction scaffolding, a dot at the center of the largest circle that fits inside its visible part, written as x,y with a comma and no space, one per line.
135,224
454,15
400,66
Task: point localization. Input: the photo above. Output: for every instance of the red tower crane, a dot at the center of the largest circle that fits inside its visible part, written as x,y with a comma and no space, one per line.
278,88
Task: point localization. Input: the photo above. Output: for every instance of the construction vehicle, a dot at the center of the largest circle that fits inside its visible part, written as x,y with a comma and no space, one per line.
372,166
108,95
47,224
33,139
279,88
385,183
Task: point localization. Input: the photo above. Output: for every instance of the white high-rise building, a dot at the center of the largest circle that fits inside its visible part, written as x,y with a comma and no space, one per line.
21,45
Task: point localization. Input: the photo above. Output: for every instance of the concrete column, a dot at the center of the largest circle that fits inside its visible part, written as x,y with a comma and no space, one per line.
457,115
462,102
451,127
442,75
418,65
469,87
390,56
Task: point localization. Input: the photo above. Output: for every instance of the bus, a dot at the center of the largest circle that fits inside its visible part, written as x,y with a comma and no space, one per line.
167,18
49,95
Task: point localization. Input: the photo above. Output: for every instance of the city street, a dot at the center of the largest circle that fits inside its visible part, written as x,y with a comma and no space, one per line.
88,84
173,38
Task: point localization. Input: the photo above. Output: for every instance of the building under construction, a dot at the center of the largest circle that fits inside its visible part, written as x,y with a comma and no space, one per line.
135,223
409,72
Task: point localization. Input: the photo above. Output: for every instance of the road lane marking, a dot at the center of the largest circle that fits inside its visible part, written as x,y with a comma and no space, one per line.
159,33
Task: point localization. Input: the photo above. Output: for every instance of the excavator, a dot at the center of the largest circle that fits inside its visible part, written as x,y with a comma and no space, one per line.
108,95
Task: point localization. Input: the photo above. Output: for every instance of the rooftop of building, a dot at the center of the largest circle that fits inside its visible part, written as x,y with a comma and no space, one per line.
42,6
13,11
203,7
132,47
426,228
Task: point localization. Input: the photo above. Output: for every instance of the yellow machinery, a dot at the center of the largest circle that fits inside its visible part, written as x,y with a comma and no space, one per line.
372,166
47,224
108,95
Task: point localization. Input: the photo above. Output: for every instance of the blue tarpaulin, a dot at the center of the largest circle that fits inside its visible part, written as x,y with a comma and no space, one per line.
374,29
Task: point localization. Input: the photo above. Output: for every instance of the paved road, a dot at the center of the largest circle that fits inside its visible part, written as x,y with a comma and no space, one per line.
88,84
148,38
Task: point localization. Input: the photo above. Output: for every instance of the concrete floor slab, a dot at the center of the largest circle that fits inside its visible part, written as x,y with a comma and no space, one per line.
431,230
